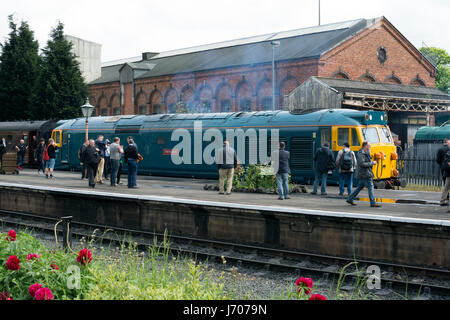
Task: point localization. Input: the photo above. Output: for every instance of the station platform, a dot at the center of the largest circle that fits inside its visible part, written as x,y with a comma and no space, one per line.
410,228
402,205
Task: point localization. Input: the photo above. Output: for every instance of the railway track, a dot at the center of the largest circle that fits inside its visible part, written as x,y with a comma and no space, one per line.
394,277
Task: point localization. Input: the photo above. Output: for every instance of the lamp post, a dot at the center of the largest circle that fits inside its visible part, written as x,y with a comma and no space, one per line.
274,44
87,109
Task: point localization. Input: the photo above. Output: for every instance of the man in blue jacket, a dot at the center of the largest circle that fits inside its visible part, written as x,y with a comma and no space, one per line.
323,160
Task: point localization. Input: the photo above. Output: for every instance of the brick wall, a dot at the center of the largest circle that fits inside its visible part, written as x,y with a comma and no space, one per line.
357,58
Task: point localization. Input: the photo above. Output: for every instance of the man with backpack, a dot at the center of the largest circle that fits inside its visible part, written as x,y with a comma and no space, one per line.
443,159
346,163
324,161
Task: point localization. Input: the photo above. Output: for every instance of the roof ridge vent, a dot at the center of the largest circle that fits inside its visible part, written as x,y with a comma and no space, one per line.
148,55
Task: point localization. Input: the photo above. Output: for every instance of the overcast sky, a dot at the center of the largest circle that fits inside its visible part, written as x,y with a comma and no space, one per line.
128,28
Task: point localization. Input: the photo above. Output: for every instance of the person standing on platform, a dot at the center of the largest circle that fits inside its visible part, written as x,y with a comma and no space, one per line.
91,158
442,159
323,159
131,157
2,148
83,164
346,163
38,156
364,173
226,161
116,151
100,145
282,171
50,164
107,166
21,149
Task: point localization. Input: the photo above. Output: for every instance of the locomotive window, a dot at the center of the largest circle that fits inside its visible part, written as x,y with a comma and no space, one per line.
385,135
371,135
161,140
325,136
343,136
355,138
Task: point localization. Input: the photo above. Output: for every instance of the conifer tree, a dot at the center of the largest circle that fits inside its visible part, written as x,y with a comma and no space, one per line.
62,87
19,73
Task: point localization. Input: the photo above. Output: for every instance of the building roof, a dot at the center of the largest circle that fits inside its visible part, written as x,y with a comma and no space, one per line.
383,89
295,44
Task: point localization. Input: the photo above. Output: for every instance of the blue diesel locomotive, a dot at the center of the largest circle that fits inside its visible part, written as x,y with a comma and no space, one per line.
182,144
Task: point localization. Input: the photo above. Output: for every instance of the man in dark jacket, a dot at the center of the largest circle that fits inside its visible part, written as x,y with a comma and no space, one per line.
131,157
323,160
440,159
226,161
91,157
282,170
83,166
38,155
364,173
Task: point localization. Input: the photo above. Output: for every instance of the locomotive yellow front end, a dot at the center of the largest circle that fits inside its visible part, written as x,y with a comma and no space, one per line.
374,129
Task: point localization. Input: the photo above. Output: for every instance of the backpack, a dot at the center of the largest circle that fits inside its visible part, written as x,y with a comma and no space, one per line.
45,156
346,161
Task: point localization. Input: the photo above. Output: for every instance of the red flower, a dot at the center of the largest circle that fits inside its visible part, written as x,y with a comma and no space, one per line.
13,263
54,266
5,296
84,256
317,297
43,294
33,288
32,256
11,235
305,284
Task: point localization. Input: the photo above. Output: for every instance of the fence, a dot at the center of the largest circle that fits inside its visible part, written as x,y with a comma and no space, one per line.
417,165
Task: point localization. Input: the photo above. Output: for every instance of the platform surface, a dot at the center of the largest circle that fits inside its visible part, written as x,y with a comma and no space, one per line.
192,190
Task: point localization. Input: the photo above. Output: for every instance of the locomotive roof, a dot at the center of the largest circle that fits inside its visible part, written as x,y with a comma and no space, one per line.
234,119
23,125
437,134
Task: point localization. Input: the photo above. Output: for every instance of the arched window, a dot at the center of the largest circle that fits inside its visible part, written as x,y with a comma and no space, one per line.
340,75
244,93
393,79
155,101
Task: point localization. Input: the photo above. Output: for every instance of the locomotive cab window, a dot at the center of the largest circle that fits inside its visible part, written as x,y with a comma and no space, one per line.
385,135
370,134
343,136
355,138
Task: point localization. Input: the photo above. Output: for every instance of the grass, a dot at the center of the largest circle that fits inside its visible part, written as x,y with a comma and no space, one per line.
418,187
124,272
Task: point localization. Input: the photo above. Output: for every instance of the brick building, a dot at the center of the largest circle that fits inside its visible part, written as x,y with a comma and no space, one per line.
237,75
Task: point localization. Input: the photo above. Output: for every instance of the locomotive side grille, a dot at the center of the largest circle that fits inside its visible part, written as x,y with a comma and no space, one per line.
301,153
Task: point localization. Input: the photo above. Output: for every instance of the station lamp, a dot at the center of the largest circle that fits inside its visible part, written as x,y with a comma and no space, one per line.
87,110
274,45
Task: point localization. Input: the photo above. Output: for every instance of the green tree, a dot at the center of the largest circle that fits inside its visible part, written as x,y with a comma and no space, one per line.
19,73
62,87
442,59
